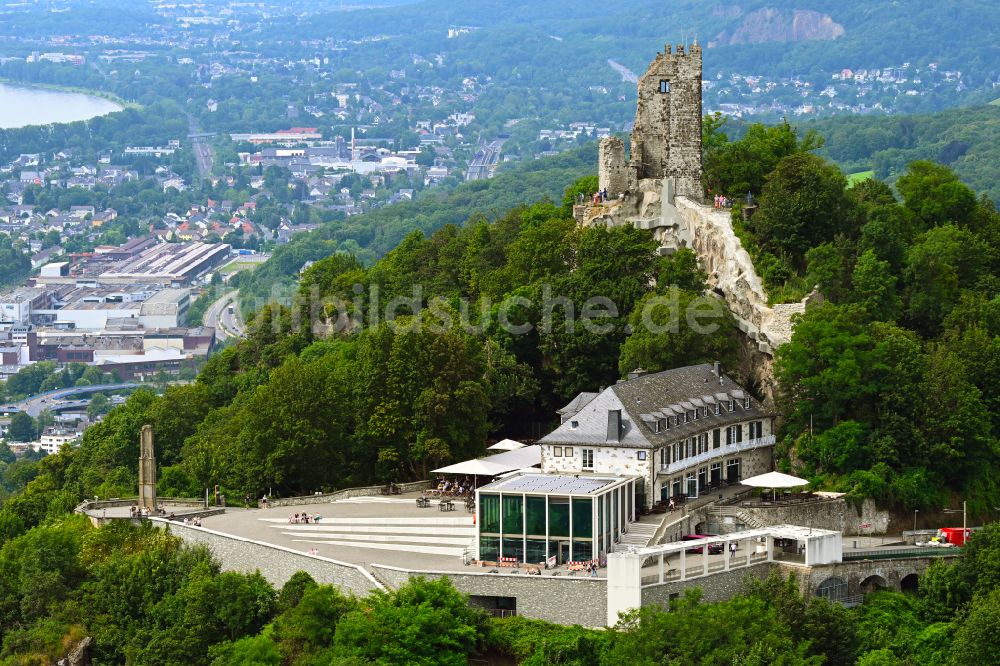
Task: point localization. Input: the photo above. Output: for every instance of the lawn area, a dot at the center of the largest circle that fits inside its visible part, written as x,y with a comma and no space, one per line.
857,177
237,266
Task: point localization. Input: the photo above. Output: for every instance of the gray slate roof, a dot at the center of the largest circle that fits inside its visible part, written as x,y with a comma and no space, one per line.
577,403
651,396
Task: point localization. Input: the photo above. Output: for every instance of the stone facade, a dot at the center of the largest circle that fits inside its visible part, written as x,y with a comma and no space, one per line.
666,134
562,599
275,563
612,171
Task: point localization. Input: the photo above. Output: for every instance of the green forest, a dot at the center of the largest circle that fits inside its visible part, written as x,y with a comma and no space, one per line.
144,598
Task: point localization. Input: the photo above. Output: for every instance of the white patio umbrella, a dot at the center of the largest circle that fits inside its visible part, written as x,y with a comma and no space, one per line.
774,480
506,445
475,468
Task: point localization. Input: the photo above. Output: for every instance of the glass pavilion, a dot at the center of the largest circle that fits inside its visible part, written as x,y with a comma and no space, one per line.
536,517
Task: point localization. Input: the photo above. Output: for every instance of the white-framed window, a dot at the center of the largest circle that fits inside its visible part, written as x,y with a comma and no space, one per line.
665,422
640,455
695,413
588,458
557,452
756,429
734,434
718,408
747,404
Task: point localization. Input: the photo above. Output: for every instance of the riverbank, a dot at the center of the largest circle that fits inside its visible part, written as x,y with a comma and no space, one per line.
54,87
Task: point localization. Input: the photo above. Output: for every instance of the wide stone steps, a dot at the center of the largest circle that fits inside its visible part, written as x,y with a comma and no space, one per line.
448,536
639,534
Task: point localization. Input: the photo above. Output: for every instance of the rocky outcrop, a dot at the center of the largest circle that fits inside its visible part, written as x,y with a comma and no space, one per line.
770,24
678,222
79,655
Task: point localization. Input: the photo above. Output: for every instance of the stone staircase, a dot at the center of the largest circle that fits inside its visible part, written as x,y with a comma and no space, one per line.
718,513
436,536
639,534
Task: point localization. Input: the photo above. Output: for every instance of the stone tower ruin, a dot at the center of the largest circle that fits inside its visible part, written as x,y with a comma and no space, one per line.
666,135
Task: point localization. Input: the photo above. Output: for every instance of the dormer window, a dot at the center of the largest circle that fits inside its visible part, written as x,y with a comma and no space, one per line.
660,425
746,403
732,405
718,408
695,413
574,424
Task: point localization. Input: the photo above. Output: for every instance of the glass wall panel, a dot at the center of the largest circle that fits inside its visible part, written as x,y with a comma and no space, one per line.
489,513
615,514
599,532
489,548
558,516
513,548
536,551
582,550
513,514
535,515
583,520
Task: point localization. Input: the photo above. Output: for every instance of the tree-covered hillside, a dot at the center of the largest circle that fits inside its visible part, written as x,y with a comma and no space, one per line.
966,140
888,388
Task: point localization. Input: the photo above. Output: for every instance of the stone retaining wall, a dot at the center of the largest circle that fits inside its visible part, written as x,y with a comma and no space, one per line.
276,563
833,514
716,587
559,599
347,493
90,505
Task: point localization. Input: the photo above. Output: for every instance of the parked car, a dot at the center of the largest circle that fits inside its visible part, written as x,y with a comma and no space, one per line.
713,548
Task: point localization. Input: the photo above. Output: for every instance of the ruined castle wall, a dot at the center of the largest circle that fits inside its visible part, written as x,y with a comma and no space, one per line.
684,159
666,135
612,172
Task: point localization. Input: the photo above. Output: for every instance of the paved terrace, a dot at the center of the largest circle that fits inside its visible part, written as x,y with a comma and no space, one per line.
392,531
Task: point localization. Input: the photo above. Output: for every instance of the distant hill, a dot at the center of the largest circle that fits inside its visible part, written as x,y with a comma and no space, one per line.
559,40
967,140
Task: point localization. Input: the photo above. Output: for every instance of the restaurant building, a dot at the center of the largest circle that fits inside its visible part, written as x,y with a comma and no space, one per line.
553,517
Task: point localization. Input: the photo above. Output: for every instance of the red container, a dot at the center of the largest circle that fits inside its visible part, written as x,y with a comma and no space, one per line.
955,535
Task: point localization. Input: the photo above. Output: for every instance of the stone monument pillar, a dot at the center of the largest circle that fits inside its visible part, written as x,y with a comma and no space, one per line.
147,470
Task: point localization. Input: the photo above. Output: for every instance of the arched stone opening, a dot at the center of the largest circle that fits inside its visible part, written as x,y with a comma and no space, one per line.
873,583
909,583
833,589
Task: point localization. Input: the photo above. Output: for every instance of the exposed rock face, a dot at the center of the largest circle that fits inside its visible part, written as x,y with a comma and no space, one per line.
678,222
79,656
770,24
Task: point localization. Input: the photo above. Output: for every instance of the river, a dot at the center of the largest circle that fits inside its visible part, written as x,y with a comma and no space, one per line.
20,106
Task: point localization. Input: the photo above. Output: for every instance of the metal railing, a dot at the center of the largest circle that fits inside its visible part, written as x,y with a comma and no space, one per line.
894,553
724,450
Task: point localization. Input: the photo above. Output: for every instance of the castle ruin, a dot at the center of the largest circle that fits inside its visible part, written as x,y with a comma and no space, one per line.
666,135
658,187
